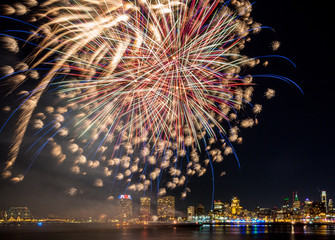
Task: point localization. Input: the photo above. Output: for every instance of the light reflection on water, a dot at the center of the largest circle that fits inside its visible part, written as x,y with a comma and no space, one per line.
268,232
246,232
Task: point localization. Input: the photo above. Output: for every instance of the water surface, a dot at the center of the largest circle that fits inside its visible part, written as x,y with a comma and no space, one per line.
77,232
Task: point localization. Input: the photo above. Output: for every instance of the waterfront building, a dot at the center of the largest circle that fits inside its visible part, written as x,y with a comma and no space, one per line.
19,214
264,213
324,199
125,207
145,206
166,208
280,216
248,215
190,213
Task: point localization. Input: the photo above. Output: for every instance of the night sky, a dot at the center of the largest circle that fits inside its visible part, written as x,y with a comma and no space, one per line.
291,149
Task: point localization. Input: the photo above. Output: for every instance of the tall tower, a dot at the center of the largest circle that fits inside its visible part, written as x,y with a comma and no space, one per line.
324,199
296,202
166,208
125,207
145,208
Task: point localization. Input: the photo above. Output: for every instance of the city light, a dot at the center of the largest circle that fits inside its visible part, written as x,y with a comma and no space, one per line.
291,212
125,197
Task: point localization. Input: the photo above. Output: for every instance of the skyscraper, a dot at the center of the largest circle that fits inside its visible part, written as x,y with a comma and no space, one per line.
296,202
125,207
200,210
218,206
330,205
286,205
307,207
145,208
324,199
166,208
190,213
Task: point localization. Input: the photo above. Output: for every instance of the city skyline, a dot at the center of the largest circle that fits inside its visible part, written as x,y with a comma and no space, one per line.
128,207
289,150
295,210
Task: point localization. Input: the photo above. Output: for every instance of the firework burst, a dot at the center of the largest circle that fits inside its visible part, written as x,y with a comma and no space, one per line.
142,86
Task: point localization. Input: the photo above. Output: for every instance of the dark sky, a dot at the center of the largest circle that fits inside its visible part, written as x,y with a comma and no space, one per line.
291,149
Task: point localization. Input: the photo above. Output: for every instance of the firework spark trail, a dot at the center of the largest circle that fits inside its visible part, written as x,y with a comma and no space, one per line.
157,79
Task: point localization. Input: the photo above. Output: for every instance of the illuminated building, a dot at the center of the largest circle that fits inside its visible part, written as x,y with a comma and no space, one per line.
317,209
330,205
308,202
218,208
264,213
286,207
286,204
218,205
226,209
19,214
200,210
145,208
235,207
280,216
166,208
307,207
324,199
3,214
190,212
125,207
296,203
